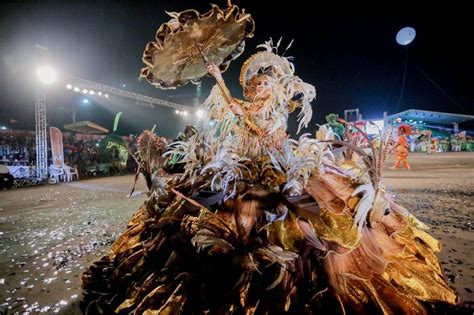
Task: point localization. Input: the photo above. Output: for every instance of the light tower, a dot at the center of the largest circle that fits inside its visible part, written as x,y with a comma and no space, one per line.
46,75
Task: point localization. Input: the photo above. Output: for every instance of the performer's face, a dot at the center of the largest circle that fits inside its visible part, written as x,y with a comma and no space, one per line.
264,88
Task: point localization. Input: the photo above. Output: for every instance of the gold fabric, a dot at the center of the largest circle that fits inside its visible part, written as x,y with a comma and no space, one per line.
337,228
285,233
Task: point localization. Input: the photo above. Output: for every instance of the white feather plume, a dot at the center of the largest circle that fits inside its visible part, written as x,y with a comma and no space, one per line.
366,203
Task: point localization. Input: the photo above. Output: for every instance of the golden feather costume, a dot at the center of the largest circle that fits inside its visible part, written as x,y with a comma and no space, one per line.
268,225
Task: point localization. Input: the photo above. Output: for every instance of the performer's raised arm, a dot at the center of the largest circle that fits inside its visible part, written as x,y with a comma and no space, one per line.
216,73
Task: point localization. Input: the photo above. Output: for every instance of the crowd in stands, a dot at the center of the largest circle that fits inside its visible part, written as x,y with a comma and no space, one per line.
83,152
89,155
18,148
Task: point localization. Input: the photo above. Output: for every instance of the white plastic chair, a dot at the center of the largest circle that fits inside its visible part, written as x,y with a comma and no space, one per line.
57,173
71,173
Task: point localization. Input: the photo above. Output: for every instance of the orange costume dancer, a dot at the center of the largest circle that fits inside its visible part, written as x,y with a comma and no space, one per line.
401,148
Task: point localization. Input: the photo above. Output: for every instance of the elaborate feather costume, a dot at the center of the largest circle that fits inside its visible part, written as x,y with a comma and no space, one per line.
258,223
401,147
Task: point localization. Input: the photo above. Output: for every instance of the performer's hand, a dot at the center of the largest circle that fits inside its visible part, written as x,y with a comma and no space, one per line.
236,109
214,71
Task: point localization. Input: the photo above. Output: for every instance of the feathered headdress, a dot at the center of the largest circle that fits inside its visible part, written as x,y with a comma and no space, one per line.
270,63
404,130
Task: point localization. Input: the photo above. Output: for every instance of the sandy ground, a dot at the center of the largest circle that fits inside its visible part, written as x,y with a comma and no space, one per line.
50,234
439,191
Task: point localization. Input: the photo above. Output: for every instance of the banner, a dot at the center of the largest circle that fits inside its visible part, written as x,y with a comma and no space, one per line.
116,121
56,146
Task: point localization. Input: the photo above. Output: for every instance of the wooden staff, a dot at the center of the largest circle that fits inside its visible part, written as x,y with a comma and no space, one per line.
224,91
230,100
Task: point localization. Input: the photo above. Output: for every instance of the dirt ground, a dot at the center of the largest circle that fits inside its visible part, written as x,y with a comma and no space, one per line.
50,234
439,191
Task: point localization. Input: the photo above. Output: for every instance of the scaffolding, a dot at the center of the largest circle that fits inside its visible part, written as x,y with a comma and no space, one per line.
352,115
141,100
41,140
40,115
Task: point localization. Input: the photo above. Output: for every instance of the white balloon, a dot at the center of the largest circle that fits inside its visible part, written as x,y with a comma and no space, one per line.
405,36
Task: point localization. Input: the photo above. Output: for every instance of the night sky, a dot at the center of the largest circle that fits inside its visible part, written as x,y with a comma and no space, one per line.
348,52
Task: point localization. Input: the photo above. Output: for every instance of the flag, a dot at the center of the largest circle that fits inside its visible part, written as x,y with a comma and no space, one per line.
116,121
57,146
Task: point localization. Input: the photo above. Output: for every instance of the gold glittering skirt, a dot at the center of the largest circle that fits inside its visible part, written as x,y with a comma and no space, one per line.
264,253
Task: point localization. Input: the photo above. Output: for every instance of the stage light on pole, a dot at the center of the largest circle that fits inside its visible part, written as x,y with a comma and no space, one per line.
47,75
68,86
100,93
106,95
91,92
76,89
84,91
177,112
